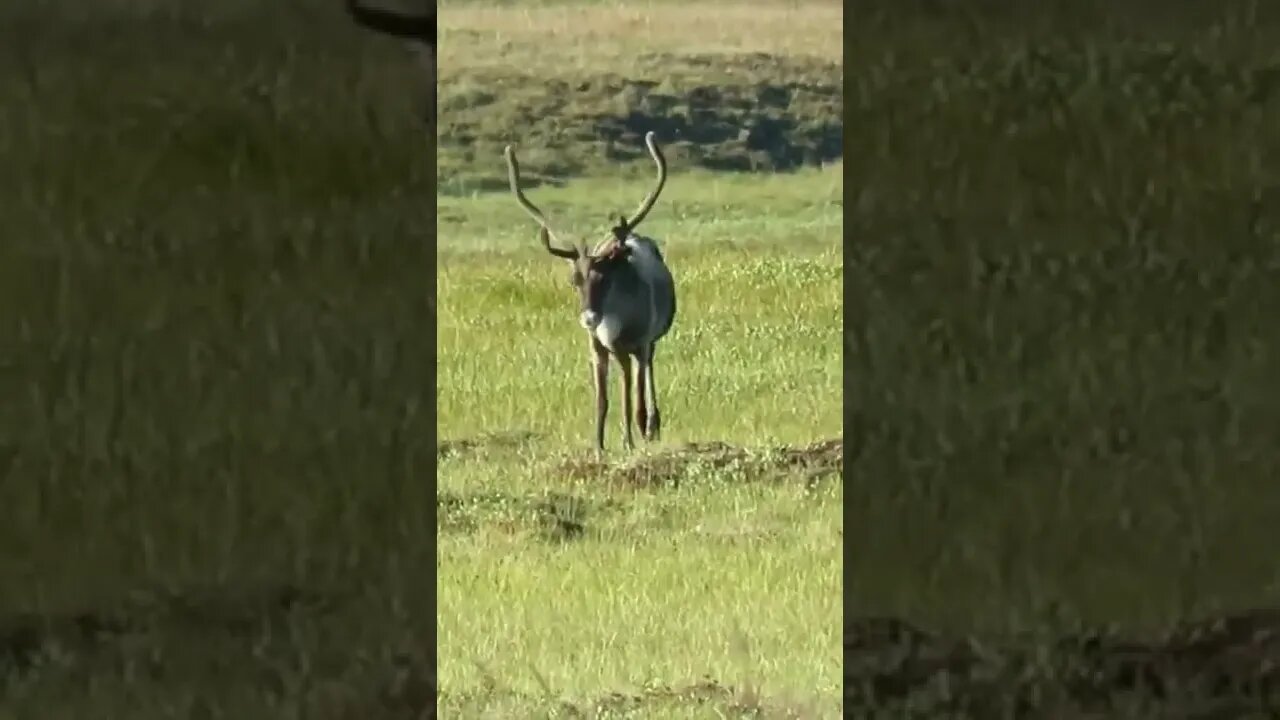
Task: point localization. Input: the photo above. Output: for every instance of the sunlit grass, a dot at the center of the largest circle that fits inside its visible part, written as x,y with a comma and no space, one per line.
724,578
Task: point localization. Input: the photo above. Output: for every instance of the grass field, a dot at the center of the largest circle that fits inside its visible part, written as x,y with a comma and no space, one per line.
554,569
685,579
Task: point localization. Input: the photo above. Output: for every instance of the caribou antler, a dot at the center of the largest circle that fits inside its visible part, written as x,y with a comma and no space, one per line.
545,234
420,30
647,205
408,27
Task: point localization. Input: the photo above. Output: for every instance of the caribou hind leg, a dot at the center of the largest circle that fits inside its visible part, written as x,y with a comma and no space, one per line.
651,425
600,364
655,415
624,362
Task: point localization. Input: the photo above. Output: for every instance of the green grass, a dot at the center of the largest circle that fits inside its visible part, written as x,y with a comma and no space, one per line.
720,577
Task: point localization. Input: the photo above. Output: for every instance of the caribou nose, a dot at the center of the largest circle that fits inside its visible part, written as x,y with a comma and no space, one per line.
589,319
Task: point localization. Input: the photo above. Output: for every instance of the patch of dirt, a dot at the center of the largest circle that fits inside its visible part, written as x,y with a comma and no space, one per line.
27,637
699,693
506,440
659,700
752,112
813,463
1219,667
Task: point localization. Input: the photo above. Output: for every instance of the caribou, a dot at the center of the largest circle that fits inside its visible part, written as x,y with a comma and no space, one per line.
418,30
627,302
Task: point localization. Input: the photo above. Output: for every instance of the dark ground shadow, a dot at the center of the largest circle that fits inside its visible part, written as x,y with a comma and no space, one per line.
1225,667
25,638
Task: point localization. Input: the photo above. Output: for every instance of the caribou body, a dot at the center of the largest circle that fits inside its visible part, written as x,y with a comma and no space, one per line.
627,303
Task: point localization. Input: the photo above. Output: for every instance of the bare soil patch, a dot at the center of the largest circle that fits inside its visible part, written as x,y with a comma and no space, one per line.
1213,668
729,700
811,463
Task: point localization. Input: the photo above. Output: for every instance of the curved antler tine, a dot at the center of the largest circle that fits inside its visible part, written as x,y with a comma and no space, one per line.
546,234
409,27
513,179
661,162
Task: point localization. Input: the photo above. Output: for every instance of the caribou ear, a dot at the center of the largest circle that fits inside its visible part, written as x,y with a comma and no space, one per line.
620,251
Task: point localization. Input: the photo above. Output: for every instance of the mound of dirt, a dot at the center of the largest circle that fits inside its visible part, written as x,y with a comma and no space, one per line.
654,700
1220,667
752,112
811,462
701,693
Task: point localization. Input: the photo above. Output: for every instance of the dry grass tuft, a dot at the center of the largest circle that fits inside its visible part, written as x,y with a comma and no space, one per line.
606,37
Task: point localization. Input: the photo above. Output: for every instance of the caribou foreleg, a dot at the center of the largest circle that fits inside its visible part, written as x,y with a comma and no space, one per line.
600,364
642,400
624,362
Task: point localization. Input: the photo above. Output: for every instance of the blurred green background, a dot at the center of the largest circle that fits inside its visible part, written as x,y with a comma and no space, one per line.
1062,260
216,359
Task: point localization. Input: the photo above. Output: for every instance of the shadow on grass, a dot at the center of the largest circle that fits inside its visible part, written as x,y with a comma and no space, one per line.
506,440
556,517
26,638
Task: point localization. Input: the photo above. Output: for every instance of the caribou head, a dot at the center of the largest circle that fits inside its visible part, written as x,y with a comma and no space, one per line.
592,268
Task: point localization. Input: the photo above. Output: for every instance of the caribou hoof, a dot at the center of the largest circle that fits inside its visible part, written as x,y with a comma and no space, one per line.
654,428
